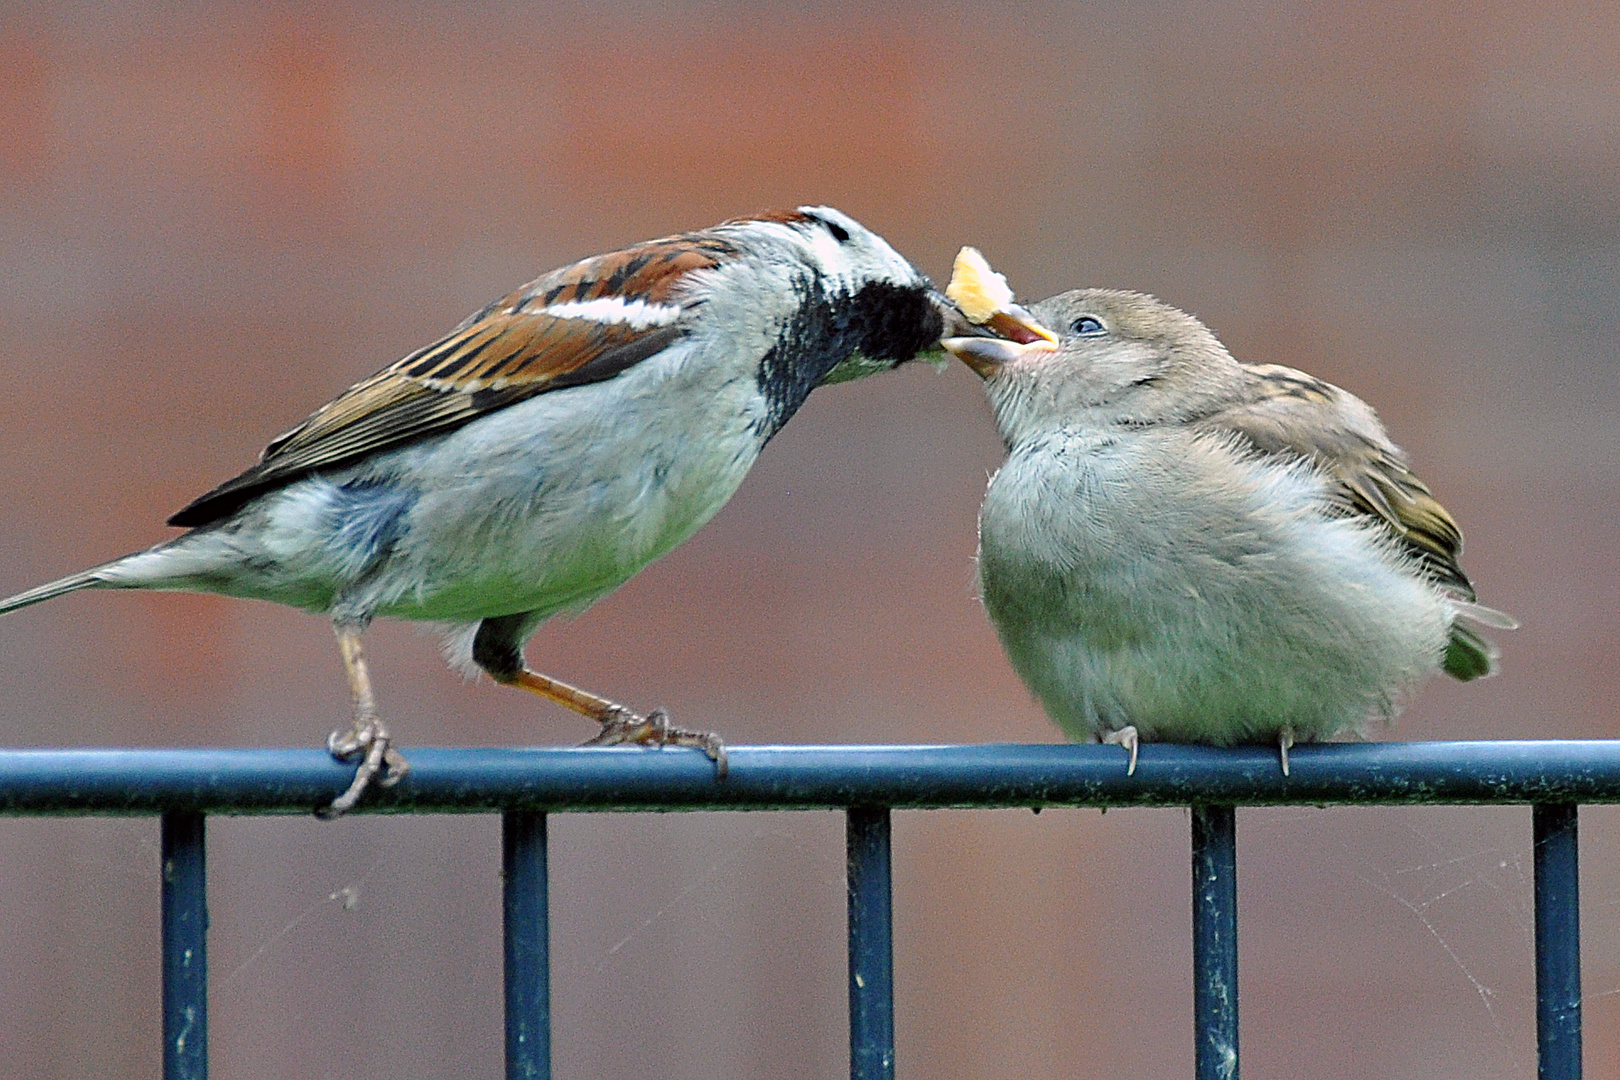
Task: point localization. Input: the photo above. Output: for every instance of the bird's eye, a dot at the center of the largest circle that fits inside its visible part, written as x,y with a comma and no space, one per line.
1087,325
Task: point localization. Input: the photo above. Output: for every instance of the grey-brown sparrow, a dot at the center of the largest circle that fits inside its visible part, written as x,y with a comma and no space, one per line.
1184,547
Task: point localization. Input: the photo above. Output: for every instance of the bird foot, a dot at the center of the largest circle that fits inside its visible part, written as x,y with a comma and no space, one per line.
1285,739
1126,737
380,763
623,726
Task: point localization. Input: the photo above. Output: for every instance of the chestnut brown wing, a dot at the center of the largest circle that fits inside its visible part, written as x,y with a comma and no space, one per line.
580,324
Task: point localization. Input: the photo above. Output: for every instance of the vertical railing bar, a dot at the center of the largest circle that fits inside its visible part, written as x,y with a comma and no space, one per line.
185,952
1215,955
526,924
871,945
1558,941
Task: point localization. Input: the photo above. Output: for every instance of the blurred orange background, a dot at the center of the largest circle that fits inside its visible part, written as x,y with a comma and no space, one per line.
214,217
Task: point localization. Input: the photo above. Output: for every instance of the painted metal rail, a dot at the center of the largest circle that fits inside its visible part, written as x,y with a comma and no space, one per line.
525,785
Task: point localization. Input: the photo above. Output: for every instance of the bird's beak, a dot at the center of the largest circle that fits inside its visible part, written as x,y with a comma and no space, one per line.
1010,333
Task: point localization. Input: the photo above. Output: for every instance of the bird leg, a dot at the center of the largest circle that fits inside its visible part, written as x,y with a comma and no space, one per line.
1285,739
381,763
619,724
1126,737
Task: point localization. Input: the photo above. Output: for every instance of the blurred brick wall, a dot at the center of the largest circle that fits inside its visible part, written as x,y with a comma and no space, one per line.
212,218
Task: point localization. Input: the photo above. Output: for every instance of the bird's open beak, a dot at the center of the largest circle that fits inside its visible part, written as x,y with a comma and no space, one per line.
1008,334
996,329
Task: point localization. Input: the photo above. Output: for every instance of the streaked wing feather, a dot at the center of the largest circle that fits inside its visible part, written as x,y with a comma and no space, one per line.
509,351
1294,414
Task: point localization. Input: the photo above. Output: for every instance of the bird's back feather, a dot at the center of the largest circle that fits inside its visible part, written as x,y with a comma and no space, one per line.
544,336
1293,414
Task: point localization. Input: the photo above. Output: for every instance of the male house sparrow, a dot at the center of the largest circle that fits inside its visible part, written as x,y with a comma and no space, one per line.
1188,548
548,448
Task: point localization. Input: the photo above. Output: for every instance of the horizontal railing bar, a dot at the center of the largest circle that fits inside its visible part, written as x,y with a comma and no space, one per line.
813,777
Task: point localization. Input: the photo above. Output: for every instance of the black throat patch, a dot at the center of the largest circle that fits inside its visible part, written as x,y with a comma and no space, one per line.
883,321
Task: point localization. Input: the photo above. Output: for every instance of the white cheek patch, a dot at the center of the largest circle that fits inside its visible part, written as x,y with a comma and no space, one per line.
637,314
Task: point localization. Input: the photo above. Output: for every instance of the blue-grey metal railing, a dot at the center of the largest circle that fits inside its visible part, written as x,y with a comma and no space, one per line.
1558,936
871,945
867,782
185,948
1215,955
525,918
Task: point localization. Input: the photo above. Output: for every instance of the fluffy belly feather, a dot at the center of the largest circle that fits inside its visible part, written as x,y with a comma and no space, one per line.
1262,611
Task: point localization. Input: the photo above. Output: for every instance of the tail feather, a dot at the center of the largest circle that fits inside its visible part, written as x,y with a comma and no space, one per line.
86,579
1496,620
1469,654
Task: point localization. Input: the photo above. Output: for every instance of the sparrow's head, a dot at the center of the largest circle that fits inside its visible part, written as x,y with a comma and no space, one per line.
1121,358
880,310
845,253
845,303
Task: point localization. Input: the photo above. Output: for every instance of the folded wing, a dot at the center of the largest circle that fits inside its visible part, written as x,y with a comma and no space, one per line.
1291,413
580,324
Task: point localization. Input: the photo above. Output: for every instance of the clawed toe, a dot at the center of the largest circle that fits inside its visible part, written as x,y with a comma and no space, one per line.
619,724
394,767
367,739
345,744
623,726
1126,737
382,764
